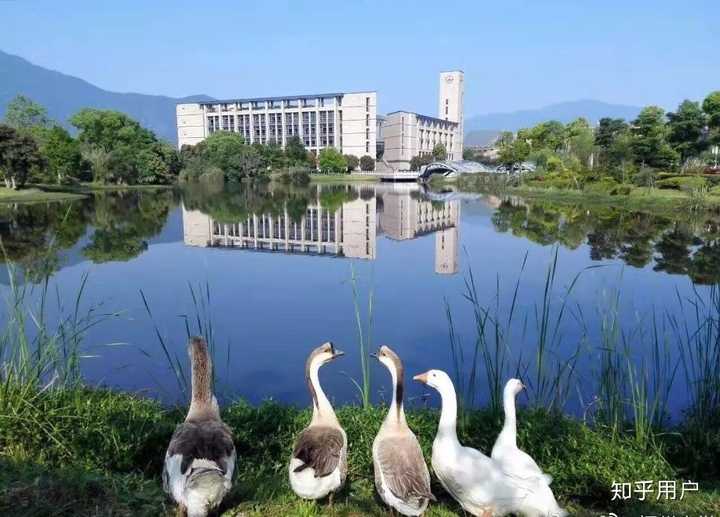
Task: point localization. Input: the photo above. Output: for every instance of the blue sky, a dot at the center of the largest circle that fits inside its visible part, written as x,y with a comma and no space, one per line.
515,54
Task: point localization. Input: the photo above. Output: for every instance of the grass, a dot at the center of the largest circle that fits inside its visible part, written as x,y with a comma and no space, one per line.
342,178
36,194
116,455
640,198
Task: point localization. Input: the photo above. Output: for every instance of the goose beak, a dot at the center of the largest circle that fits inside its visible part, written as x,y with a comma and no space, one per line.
374,355
421,377
338,353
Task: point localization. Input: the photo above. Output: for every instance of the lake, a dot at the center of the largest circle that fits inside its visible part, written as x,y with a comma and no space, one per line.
268,271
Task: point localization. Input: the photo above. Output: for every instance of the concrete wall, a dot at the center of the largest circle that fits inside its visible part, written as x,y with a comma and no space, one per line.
359,121
190,124
400,134
450,106
353,117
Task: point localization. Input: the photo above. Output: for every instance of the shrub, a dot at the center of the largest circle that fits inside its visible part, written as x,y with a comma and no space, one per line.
331,161
603,186
682,183
367,163
352,162
299,175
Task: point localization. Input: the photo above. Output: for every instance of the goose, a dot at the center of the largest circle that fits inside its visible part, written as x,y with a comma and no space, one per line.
318,465
512,460
401,474
473,479
200,459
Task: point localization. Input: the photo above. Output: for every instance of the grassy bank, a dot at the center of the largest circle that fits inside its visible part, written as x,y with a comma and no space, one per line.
640,198
335,178
36,195
95,452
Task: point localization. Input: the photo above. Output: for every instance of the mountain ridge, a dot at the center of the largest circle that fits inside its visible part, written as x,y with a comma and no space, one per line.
63,95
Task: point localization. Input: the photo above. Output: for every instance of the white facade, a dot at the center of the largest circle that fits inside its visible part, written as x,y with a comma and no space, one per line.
408,134
349,231
346,121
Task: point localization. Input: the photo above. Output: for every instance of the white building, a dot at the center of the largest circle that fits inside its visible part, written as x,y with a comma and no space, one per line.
408,134
346,121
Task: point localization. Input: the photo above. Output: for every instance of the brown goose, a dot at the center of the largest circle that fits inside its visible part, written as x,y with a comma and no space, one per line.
401,474
318,465
200,459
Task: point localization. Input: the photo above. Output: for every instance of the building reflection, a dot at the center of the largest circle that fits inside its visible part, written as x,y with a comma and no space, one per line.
349,230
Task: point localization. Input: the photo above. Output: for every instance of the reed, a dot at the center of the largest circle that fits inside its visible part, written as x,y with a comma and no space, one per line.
364,338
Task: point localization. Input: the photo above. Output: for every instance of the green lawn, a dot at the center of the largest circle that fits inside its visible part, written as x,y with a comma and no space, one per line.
36,194
95,452
342,178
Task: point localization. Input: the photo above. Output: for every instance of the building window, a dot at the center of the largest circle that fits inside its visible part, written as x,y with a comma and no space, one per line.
367,103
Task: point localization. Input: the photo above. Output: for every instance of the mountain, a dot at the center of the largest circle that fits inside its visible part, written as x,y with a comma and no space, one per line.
64,95
564,112
480,137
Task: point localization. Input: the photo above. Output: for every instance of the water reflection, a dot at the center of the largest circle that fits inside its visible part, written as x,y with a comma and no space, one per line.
679,243
343,221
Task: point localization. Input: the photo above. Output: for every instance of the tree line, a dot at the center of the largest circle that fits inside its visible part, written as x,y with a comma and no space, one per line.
111,148
571,154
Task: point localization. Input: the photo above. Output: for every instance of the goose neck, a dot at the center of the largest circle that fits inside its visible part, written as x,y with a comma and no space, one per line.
396,413
509,430
321,405
447,428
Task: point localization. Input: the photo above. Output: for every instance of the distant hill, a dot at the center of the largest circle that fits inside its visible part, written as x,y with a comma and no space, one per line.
64,95
564,112
480,137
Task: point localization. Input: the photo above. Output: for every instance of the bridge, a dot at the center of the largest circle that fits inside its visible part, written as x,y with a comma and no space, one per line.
450,169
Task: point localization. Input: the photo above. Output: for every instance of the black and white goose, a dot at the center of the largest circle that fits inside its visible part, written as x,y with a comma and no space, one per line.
318,466
401,474
200,459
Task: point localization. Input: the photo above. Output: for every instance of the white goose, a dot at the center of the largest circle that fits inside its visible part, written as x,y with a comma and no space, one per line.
512,460
476,481
401,474
200,459
318,465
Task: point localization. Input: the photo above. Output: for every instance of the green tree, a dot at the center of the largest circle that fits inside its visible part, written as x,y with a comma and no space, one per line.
439,152
331,161
62,152
609,131
23,113
295,151
514,152
650,144
580,140
685,129
420,160
550,135
19,154
107,129
367,163
352,162
711,107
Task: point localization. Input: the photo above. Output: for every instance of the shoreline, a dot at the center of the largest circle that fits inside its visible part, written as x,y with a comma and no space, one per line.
116,457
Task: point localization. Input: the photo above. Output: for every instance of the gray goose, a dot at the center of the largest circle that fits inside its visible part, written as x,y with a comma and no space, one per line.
318,465
401,474
200,459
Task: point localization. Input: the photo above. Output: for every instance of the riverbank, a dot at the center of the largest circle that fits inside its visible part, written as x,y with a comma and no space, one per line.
74,450
37,193
630,197
342,178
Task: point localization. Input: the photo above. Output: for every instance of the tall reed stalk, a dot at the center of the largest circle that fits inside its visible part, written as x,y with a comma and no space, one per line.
364,337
